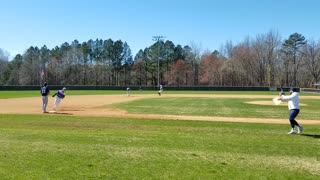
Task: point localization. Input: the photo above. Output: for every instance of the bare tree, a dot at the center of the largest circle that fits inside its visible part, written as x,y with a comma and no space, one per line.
273,42
312,60
247,67
265,47
195,61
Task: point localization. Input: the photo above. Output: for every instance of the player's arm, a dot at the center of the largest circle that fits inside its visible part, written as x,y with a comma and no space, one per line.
287,98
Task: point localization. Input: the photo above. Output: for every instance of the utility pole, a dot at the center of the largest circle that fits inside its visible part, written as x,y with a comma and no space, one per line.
158,39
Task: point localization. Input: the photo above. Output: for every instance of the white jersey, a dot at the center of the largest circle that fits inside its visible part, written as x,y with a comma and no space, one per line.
293,100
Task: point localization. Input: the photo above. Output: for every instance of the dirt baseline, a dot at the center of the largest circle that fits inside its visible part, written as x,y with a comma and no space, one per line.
97,106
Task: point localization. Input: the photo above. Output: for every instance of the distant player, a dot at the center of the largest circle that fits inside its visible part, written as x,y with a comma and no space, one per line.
59,96
294,109
140,90
44,93
160,90
128,91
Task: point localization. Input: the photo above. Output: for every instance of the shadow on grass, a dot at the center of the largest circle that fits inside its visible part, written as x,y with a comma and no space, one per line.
311,135
61,113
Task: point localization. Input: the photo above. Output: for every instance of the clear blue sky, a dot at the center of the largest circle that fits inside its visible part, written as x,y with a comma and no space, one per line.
211,23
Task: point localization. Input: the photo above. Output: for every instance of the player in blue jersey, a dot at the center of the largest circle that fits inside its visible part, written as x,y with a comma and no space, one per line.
44,93
59,96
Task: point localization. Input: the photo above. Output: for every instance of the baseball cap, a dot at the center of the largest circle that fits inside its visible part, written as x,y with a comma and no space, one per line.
291,89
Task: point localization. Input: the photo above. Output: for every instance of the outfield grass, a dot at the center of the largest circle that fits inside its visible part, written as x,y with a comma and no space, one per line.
223,107
65,147
18,94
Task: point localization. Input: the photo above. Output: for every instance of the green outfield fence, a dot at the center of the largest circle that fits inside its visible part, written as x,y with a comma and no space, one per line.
170,88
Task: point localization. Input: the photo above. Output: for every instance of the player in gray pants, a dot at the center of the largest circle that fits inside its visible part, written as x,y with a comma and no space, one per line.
44,93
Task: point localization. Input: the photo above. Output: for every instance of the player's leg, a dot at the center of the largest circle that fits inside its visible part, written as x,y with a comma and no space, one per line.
295,114
56,103
45,103
292,115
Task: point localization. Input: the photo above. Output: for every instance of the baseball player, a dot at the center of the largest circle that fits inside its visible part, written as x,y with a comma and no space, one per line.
160,90
59,96
128,91
140,90
294,109
44,93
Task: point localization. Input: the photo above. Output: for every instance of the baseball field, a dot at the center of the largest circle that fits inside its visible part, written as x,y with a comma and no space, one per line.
179,135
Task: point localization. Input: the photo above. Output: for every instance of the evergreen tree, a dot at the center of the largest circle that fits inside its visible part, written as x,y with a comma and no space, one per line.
293,45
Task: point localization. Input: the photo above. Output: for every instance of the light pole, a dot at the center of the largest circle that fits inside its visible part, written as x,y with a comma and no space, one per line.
158,39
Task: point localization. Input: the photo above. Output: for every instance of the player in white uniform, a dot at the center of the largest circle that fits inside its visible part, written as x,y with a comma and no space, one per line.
294,109
160,90
59,96
128,91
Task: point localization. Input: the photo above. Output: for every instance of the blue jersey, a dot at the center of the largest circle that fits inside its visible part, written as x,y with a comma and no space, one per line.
60,94
44,91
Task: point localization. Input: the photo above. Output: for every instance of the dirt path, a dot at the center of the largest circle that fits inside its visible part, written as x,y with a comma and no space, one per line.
96,106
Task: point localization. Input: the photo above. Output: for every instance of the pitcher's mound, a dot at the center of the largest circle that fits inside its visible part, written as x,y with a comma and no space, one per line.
270,103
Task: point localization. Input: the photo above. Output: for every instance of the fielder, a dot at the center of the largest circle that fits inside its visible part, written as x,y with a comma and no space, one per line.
128,91
160,90
140,89
44,93
294,109
59,96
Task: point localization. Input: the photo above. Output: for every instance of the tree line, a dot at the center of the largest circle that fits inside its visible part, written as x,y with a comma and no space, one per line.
263,60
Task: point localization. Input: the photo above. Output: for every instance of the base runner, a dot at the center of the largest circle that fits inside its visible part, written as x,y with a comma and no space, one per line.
59,96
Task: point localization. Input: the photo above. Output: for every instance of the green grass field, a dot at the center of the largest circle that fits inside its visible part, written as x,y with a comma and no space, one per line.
17,94
68,147
225,107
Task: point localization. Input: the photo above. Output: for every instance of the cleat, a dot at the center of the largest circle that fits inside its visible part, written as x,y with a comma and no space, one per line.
300,129
292,132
